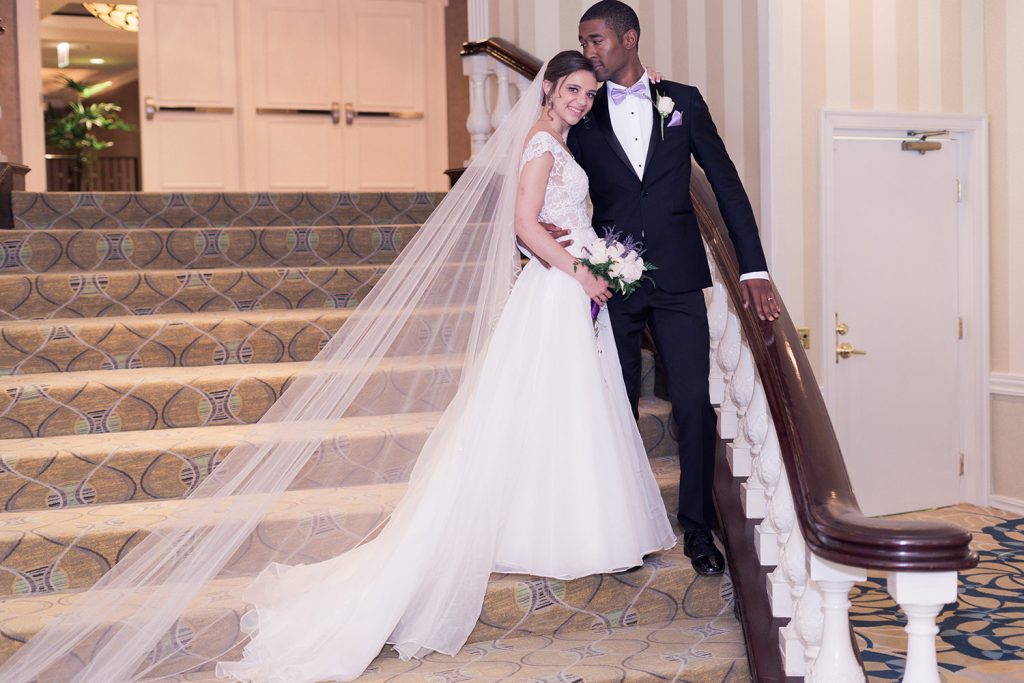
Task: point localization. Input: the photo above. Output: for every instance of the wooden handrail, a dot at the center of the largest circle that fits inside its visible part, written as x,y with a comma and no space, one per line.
830,519
507,53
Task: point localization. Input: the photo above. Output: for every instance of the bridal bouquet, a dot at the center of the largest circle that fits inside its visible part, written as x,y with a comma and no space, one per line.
619,261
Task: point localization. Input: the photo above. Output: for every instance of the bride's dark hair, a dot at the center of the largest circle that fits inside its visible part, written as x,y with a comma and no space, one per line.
561,65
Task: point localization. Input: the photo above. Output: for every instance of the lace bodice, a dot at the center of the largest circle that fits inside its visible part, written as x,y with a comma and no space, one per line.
565,198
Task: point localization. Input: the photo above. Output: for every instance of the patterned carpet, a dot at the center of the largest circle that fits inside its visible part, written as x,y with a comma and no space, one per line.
982,639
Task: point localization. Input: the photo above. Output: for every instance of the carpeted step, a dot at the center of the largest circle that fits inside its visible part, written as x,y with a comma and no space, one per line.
191,339
664,594
684,650
102,401
102,469
92,210
173,340
56,404
120,293
112,249
47,551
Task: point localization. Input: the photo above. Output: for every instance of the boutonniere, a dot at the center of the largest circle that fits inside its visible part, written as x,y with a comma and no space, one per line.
664,105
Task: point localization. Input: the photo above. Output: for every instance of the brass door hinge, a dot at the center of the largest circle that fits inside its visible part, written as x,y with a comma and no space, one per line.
961,464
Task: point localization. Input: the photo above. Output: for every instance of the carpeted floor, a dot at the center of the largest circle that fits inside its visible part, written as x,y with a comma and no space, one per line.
982,639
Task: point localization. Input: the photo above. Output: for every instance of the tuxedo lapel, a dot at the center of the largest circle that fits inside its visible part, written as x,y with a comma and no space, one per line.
655,130
604,123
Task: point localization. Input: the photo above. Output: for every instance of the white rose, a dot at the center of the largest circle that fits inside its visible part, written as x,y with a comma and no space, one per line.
665,105
616,249
598,252
632,271
616,269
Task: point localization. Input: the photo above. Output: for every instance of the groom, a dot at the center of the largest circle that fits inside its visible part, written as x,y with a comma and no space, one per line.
639,183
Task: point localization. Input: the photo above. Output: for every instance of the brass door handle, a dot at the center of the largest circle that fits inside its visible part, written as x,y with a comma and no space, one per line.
846,350
351,113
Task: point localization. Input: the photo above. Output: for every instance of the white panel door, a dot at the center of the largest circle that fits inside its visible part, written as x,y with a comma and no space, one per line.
894,283
387,68
187,82
296,113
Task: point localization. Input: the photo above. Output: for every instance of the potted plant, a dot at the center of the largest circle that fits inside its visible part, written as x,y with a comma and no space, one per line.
72,131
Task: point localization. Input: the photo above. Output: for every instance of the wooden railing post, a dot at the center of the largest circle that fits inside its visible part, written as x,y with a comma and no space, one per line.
12,178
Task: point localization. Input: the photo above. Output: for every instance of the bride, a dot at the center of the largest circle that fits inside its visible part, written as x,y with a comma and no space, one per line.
533,464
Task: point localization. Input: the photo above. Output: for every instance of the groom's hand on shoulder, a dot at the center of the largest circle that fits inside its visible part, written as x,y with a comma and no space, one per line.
759,292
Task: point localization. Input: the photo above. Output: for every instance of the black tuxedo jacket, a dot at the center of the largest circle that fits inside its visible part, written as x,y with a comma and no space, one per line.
658,210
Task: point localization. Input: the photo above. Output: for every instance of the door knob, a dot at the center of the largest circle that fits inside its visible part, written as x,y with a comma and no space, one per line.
846,350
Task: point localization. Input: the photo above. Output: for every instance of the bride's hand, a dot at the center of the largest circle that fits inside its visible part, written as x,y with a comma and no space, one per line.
655,76
595,287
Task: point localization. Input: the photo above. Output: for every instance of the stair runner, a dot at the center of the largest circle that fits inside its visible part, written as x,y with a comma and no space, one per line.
186,316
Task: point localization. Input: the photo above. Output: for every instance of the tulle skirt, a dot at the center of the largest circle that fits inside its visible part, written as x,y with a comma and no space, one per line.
536,467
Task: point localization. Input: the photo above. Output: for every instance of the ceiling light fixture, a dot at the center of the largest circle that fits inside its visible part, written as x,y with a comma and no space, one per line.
97,60
124,17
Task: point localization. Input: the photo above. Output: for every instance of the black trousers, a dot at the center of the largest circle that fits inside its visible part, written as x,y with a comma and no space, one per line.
679,325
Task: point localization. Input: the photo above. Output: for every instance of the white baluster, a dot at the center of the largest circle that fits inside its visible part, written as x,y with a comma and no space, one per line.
792,559
741,390
778,522
502,101
807,625
835,662
768,470
922,595
752,430
477,68
794,565
718,311
728,358
765,469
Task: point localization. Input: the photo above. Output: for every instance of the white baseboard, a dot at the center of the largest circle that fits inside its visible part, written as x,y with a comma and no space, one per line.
1014,505
1006,384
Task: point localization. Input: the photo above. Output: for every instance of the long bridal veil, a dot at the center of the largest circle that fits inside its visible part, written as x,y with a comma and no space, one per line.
323,469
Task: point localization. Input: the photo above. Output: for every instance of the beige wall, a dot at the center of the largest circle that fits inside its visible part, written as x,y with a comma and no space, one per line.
1007,440
10,113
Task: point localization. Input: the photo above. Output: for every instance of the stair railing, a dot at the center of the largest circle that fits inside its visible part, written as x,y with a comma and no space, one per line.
781,486
499,72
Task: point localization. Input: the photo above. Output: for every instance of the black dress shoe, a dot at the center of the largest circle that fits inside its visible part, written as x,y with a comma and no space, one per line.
704,556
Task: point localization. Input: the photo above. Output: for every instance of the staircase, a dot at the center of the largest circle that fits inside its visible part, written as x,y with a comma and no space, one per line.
185,316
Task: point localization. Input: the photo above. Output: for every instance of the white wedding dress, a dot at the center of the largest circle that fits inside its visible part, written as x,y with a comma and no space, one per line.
536,467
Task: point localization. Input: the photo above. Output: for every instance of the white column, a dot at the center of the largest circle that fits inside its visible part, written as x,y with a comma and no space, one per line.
479,15
835,662
922,596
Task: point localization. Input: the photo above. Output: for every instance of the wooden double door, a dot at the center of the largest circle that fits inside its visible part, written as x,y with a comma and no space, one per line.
292,94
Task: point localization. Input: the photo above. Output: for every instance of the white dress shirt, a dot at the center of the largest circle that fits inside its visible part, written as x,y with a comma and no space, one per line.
632,122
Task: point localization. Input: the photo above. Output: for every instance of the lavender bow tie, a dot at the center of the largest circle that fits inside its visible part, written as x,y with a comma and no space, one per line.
638,90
